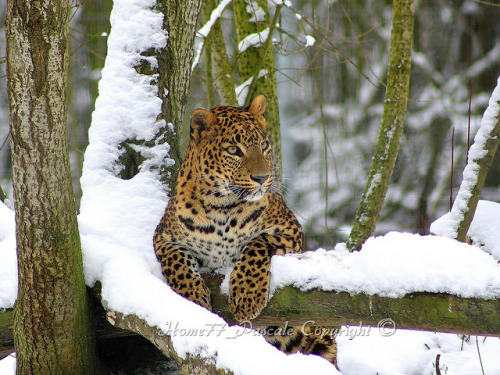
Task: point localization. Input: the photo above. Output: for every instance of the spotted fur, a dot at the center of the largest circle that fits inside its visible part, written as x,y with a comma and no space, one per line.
227,210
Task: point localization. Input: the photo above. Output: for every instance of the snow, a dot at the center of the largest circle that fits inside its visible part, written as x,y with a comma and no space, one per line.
483,230
470,175
7,225
412,352
286,3
310,41
253,40
8,272
8,259
118,218
242,90
8,365
216,14
256,12
116,225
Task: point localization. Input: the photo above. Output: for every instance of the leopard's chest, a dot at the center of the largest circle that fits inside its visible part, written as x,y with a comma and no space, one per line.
218,240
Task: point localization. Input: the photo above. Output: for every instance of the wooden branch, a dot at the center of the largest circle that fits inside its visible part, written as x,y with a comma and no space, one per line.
190,365
422,311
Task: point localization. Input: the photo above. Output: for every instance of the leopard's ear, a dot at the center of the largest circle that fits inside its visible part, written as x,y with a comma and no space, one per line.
201,121
258,108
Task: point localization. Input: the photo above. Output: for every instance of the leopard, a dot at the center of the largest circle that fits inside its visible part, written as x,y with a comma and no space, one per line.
228,211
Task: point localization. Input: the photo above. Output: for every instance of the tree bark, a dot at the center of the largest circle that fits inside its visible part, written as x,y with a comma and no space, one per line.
174,68
52,326
252,61
391,128
218,62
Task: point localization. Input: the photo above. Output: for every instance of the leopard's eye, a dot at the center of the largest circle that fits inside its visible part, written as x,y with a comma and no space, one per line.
234,150
264,145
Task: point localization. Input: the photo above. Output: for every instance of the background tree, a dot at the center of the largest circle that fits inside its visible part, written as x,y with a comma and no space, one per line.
329,149
250,61
53,331
89,28
391,127
257,64
218,67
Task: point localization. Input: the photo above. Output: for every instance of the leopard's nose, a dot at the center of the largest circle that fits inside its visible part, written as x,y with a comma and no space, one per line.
260,178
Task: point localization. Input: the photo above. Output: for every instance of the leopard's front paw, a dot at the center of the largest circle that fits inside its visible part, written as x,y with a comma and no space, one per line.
191,287
248,295
198,292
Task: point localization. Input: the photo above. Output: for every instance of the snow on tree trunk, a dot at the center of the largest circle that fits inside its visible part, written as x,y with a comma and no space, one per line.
391,128
53,331
457,222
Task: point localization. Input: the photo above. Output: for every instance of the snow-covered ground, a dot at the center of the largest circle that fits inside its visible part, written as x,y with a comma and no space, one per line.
118,218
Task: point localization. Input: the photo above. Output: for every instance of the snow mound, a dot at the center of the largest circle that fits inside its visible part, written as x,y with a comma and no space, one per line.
483,230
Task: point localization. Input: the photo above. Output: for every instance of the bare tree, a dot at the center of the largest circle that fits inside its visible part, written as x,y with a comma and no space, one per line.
391,128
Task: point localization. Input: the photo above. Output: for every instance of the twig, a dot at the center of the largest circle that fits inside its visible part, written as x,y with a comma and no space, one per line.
468,120
479,354
452,157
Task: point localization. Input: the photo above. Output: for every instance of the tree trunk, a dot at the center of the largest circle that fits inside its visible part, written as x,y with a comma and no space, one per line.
174,68
53,331
218,62
391,128
173,73
255,59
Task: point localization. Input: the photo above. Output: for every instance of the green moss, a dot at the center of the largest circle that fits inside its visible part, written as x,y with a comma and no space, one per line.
6,317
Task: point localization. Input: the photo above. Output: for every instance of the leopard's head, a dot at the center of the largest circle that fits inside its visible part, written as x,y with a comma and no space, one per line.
233,151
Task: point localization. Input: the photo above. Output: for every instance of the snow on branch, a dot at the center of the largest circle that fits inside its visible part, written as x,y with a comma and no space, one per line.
242,90
457,222
216,14
203,32
253,40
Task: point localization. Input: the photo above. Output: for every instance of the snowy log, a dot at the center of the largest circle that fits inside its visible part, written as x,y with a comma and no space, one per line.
422,311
